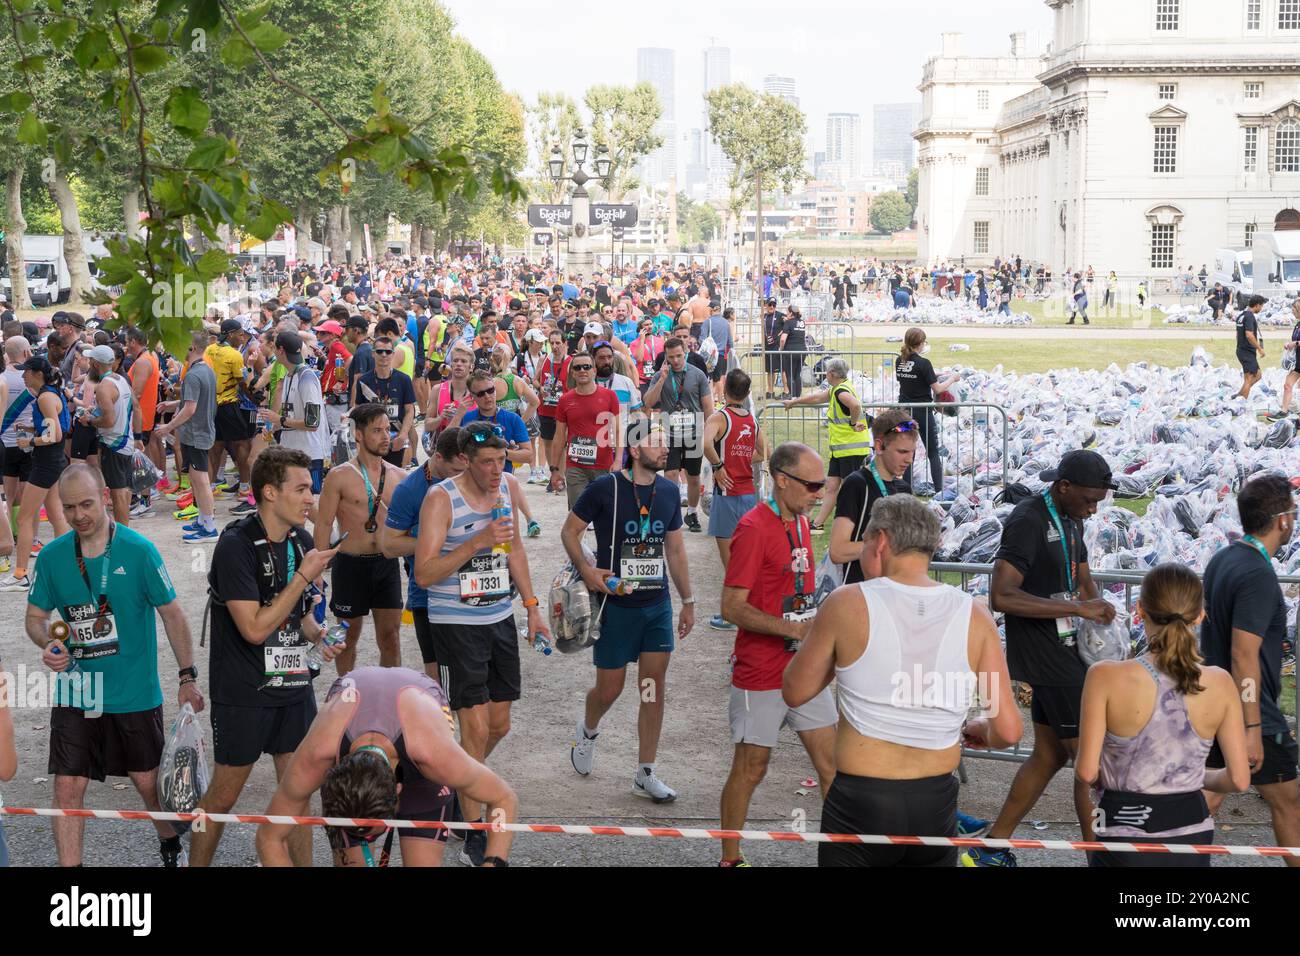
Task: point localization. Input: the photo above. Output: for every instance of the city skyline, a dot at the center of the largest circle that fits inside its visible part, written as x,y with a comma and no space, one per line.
847,69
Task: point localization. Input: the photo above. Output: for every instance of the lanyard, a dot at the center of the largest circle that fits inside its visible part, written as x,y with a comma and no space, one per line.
102,603
644,509
1255,543
1065,542
884,492
372,500
795,543
672,380
290,557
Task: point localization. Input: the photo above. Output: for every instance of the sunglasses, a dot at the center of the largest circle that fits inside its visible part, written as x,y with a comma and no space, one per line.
484,393
383,351
582,368
904,428
483,431
812,486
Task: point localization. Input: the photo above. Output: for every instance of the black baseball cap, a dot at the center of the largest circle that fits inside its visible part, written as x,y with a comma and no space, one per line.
1081,467
358,322
291,342
231,325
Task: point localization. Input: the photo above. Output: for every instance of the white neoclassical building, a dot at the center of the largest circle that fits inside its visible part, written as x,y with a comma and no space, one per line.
1149,134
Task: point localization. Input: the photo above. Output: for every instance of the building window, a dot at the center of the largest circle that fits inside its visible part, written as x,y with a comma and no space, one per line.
1250,234
981,237
1288,14
982,181
983,140
982,99
1167,91
1250,156
1167,14
1162,246
1254,14
1166,151
1286,143
1254,91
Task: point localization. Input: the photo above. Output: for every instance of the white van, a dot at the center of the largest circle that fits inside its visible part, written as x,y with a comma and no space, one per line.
1277,261
1232,268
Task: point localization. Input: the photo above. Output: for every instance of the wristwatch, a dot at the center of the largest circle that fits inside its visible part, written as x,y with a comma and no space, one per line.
688,600
532,602
191,671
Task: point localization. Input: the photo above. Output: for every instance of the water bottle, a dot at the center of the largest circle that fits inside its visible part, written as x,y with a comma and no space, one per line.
501,510
319,610
541,645
335,636
339,384
59,631
620,587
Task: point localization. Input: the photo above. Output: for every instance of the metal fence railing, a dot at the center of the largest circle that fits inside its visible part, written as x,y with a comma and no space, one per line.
981,428
876,367
1112,581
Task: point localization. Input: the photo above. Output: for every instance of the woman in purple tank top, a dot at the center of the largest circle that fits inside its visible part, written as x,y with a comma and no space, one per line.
1147,726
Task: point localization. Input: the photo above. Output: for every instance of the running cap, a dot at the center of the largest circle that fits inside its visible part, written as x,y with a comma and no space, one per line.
1081,467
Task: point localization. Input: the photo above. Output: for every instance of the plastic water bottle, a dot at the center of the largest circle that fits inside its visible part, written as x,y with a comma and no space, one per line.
541,645
59,630
339,384
335,636
620,587
501,510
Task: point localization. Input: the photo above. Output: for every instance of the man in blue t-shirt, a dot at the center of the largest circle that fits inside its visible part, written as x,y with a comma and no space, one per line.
105,580
638,521
402,527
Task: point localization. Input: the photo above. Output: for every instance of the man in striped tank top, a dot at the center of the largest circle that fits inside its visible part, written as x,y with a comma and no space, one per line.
731,442
472,564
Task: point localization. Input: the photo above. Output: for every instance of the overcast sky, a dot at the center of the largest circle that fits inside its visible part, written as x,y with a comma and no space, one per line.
844,57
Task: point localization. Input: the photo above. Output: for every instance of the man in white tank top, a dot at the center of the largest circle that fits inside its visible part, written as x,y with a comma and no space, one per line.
906,682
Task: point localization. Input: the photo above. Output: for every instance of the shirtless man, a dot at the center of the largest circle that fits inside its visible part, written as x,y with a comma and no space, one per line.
700,311
378,726
365,581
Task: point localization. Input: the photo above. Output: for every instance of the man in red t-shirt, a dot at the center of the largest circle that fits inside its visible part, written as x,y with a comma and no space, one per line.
769,593
587,437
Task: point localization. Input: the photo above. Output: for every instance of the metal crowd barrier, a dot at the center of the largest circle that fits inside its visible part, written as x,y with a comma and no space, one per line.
1018,753
878,367
806,424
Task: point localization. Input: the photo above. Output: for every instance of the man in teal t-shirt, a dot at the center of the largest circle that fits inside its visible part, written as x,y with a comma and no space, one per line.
105,581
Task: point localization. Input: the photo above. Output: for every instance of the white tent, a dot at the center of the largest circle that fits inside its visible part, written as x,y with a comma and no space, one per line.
278,248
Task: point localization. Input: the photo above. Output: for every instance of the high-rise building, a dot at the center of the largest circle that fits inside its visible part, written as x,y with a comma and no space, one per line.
843,145
696,174
891,136
717,72
658,67
782,86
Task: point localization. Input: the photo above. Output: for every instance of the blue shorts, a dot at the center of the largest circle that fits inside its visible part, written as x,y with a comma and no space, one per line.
725,513
628,632
317,472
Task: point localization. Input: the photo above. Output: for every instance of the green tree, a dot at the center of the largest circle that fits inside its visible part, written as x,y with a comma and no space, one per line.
890,213
703,224
552,121
623,120
913,189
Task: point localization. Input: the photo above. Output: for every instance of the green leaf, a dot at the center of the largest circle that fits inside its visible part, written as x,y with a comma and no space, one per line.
186,110
386,153
31,131
90,48
267,37
204,15
29,31
208,153
212,263
15,102
236,53
30,64
56,6
59,32
167,8
149,58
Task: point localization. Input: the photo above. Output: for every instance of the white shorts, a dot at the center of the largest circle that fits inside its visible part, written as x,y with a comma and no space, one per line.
757,716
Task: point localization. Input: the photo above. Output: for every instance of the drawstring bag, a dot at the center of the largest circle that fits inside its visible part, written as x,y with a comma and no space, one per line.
1103,642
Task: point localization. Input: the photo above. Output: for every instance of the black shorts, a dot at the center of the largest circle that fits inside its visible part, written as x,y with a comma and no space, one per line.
478,662
1110,858
240,735
194,459
843,467
363,583
720,369
547,423
18,463
234,424
85,441
1058,708
110,745
116,467
424,634
1279,761
922,807
692,459
772,361
48,463
1249,361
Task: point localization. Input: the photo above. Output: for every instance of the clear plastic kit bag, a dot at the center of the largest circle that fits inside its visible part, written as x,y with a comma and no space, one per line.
183,772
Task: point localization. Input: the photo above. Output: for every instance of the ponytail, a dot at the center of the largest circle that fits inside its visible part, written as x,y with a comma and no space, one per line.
1172,603
912,342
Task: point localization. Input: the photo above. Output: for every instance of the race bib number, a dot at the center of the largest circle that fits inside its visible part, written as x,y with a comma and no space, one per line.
287,657
393,415
798,608
551,392
582,451
681,423
485,579
642,563
648,371
92,635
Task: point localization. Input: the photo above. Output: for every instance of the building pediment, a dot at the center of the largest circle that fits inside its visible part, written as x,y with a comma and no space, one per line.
1168,114
1289,110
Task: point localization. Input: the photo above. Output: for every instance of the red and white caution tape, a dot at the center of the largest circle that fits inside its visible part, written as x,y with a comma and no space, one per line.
680,833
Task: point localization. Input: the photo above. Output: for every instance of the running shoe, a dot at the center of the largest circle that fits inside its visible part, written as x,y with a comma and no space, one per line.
692,522
178,490
192,526
36,547
739,861
163,484
5,565
1274,416
189,511
13,583
977,856
44,516
174,856
202,534
226,488
720,623
583,752
245,507
969,826
652,787
534,529
142,509
539,478
475,848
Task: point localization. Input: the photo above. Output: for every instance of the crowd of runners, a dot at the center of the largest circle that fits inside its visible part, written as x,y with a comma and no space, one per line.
373,435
